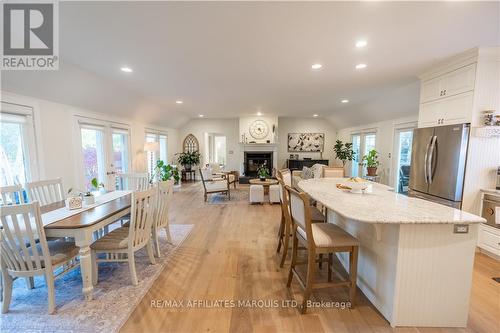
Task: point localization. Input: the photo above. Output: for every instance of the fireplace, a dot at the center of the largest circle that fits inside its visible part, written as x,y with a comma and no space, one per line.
254,159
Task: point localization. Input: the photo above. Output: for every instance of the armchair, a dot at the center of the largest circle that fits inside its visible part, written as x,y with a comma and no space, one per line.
214,185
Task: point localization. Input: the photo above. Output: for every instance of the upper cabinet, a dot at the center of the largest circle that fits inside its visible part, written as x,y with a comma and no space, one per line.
453,83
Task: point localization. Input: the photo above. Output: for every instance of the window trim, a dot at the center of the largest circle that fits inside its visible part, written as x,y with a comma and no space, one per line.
29,135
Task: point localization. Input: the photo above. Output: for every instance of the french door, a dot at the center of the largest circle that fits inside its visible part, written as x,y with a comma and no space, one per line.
362,143
403,145
105,151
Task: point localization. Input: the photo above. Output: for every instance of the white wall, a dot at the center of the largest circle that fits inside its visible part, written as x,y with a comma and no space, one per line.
384,142
305,125
227,127
233,128
57,151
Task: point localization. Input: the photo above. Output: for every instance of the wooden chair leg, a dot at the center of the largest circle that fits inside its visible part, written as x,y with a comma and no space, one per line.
169,237
156,238
353,272
311,272
205,197
294,259
133,273
1,288
286,240
330,263
51,296
280,233
320,264
30,282
7,291
149,247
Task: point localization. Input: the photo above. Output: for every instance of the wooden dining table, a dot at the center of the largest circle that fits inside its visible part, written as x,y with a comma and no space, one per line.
82,227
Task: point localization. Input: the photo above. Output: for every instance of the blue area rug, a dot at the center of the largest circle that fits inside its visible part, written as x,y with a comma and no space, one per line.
114,296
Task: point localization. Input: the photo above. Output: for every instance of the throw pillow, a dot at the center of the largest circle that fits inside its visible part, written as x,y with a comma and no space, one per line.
307,173
317,170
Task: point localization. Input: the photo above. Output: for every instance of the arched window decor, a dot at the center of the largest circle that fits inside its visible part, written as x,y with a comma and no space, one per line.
190,144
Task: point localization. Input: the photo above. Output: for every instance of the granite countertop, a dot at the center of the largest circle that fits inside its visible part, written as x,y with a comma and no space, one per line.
382,205
491,191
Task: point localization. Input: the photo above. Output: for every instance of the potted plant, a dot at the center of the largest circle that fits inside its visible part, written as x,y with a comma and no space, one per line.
371,162
344,152
263,172
87,196
188,159
164,172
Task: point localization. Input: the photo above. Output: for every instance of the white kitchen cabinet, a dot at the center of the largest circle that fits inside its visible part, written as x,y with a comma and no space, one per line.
489,239
447,111
456,82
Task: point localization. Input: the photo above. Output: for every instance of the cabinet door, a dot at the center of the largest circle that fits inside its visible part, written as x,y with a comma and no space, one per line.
457,109
430,113
459,81
431,90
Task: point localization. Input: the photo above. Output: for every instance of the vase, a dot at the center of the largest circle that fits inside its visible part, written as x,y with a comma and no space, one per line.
262,179
89,200
371,171
187,167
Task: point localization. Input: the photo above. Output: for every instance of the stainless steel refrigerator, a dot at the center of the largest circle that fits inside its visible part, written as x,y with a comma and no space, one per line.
438,161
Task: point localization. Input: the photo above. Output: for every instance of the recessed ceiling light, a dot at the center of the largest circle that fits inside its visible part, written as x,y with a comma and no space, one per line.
259,113
201,116
361,43
126,69
316,66
344,101
315,115
179,102
360,66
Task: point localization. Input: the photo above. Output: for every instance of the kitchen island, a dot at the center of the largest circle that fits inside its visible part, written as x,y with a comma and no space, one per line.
415,257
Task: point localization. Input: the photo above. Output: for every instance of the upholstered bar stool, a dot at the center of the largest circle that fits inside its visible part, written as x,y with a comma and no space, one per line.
318,238
285,179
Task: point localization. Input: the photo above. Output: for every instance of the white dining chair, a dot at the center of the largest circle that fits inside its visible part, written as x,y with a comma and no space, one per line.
11,195
333,172
46,191
28,253
132,181
129,239
164,198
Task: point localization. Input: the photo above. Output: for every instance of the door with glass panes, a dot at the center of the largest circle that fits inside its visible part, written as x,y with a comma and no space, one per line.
105,152
362,143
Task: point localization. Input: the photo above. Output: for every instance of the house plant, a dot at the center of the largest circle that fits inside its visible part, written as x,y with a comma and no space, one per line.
344,152
164,171
188,159
263,172
371,162
87,196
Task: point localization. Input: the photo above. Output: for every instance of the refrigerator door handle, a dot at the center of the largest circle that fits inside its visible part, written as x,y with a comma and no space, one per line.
431,157
426,161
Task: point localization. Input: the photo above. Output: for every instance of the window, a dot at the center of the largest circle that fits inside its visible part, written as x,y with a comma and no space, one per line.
17,145
105,148
162,154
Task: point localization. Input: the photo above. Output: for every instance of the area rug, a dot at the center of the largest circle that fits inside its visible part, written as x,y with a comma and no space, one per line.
114,296
237,195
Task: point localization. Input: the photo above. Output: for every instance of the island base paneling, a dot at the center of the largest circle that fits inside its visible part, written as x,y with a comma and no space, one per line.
414,274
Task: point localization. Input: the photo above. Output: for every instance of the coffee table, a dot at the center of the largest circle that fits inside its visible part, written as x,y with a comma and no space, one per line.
266,183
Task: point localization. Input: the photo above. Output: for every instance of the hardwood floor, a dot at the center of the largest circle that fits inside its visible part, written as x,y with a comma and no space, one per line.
231,255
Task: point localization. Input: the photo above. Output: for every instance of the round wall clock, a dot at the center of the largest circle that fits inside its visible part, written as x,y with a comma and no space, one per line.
259,129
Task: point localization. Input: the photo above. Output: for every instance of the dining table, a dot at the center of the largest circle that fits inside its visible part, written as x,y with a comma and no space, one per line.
82,225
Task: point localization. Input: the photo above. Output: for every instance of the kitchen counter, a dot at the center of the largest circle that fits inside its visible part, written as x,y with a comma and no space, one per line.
414,265
490,191
390,207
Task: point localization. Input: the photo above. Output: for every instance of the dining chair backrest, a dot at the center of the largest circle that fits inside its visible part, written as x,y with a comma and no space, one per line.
165,193
286,174
333,172
215,167
46,191
132,181
285,208
300,211
142,216
23,244
11,195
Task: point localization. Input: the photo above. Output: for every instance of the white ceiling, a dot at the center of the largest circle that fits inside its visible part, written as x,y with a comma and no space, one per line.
234,58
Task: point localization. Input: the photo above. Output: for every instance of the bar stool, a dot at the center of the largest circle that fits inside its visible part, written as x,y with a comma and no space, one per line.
285,179
318,238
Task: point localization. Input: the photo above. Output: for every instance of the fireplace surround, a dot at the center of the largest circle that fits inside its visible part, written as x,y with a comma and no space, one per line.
253,159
